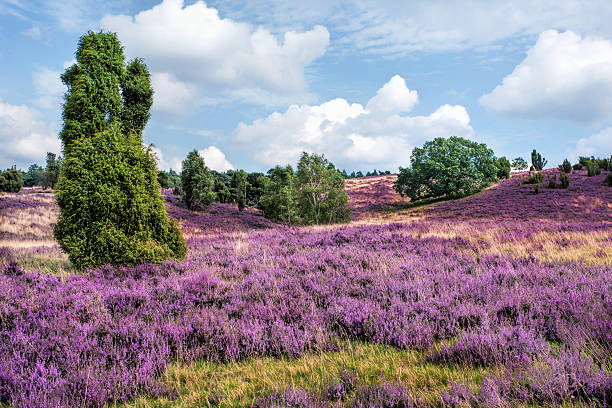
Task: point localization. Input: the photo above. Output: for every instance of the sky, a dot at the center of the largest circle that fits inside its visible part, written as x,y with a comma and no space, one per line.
251,84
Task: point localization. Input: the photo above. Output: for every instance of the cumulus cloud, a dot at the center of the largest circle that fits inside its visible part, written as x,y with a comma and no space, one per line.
215,159
192,51
349,134
598,145
564,76
24,138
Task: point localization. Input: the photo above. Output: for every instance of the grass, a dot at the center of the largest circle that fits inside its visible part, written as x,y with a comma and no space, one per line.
198,383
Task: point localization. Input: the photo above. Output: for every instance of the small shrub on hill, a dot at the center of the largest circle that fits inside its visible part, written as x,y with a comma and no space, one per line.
593,168
536,188
609,179
537,161
566,166
577,166
564,180
536,178
552,181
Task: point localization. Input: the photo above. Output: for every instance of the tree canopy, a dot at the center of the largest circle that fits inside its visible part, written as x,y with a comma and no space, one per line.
450,167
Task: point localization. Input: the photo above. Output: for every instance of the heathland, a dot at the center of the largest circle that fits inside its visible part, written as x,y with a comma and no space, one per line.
502,298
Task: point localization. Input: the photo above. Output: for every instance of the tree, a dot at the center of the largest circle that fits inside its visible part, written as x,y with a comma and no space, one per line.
11,180
222,186
52,171
450,167
519,164
537,161
256,188
163,179
33,176
278,201
240,186
320,191
198,184
112,210
503,167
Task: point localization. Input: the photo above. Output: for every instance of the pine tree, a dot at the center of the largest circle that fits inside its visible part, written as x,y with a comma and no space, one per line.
112,210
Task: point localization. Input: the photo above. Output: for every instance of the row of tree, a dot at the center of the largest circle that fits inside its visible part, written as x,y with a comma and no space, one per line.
360,174
314,194
12,180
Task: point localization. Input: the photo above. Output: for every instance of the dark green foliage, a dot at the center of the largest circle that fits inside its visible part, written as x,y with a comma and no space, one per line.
519,164
535,178
564,180
577,166
52,171
162,178
566,166
33,176
604,164
279,202
360,174
112,210
537,161
240,186
197,182
223,182
256,183
320,191
608,180
313,195
503,168
536,188
11,180
450,167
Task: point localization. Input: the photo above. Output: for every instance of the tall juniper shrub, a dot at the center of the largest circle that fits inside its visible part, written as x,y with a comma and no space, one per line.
112,211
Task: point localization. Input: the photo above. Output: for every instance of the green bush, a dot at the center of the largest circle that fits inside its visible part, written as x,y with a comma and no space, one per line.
11,181
537,161
552,181
608,180
279,199
577,166
564,180
536,188
450,167
566,166
112,210
535,178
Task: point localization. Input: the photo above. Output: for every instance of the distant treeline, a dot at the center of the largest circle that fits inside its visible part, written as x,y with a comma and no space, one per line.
360,174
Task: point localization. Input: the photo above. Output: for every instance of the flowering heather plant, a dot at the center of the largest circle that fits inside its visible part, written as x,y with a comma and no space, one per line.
251,288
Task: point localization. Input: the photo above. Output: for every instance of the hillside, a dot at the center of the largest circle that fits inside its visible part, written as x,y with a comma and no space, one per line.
499,298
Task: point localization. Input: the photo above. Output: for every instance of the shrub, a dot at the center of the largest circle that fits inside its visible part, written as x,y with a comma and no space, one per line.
566,166
564,180
112,210
450,167
577,166
536,188
519,164
535,178
278,201
552,181
11,181
609,179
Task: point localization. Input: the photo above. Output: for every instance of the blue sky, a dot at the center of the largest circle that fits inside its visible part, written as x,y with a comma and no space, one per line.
251,84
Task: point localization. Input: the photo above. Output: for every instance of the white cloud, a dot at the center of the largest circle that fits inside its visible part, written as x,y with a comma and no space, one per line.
563,76
350,135
24,138
598,145
215,159
192,51
49,89
174,163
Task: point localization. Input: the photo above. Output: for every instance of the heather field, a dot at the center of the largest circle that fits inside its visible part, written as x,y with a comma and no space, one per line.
503,298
